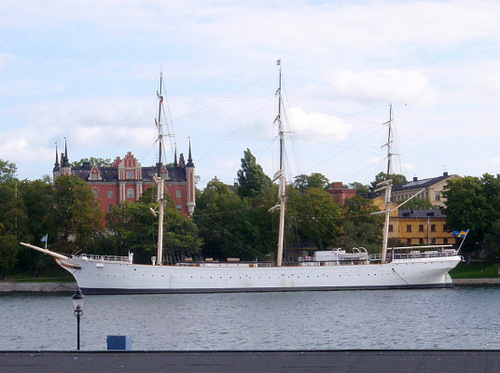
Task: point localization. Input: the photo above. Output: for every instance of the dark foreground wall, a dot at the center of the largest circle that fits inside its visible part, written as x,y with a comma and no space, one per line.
252,361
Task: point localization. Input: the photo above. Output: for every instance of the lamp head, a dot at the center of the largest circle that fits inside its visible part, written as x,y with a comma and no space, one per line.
78,299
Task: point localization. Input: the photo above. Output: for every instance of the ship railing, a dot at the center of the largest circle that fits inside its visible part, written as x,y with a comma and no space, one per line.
427,251
106,258
413,252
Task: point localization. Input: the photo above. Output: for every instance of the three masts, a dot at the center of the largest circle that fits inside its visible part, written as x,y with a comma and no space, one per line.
325,270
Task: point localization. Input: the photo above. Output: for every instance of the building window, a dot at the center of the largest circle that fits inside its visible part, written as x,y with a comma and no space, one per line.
421,228
391,228
96,193
408,241
130,193
111,194
445,241
179,208
130,174
408,228
438,196
110,207
433,227
178,193
421,241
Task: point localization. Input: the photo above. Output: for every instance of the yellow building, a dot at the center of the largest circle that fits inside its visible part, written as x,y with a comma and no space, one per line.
432,189
417,227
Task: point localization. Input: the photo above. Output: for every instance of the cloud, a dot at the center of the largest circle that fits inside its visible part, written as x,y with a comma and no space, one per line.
383,85
311,124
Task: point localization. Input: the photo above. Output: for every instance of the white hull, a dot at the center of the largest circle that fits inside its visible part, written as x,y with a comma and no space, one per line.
102,277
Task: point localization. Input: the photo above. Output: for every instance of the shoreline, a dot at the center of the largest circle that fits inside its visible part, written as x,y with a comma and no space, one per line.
7,286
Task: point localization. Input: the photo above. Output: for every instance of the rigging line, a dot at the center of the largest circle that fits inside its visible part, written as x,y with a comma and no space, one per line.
113,135
168,121
223,228
222,99
345,149
233,132
349,115
230,238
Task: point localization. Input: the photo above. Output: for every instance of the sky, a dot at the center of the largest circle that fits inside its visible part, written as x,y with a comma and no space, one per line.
88,72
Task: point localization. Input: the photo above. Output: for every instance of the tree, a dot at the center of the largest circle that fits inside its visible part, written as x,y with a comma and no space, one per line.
418,204
8,171
251,177
317,218
37,196
361,189
8,250
473,203
228,223
492,242
12,224
361,227
382,176
134,229
92,161
314,180
79,219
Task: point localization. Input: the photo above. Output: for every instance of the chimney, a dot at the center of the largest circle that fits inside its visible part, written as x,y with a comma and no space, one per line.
415,178
445,174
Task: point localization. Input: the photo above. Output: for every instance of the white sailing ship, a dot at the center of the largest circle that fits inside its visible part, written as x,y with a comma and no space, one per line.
399,267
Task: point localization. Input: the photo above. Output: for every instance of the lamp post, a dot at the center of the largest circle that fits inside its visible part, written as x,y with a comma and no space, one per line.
78,299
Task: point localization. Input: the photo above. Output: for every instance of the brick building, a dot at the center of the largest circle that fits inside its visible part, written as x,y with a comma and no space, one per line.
126,180
340,194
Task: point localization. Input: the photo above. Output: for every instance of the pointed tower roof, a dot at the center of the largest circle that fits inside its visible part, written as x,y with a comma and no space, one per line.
56,164
190,158
64,156
175,157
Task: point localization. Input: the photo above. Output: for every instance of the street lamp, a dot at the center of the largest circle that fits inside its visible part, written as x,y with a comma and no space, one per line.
78,299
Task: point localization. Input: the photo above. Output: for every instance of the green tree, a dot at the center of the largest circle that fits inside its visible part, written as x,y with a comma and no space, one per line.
251,177
8,250
92,161
418,204
361,189
382,176
8,171
492,241
134,229
79,219
473,203
314,180
361,226
317,218
12,224
231,226
37,196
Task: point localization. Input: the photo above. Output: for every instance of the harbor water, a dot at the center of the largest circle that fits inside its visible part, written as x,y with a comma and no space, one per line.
457,318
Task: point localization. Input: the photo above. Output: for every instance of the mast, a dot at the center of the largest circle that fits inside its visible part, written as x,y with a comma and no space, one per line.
280,175
387,187
160,184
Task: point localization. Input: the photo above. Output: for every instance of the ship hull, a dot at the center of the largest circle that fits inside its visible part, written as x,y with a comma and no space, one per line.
98,277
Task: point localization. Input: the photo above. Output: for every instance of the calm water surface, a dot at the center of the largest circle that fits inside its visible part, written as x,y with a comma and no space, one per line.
460,318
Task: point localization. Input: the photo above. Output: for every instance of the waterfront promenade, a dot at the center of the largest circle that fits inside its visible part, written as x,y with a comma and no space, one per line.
359,361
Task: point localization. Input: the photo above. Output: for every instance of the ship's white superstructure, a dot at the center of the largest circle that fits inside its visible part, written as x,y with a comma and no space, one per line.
411,267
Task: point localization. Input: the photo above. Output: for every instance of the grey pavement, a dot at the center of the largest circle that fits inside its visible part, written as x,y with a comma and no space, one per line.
373,361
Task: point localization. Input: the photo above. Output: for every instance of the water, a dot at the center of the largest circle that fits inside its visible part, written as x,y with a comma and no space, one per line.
460,318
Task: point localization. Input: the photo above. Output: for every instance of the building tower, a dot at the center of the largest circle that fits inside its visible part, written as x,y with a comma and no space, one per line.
190,178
